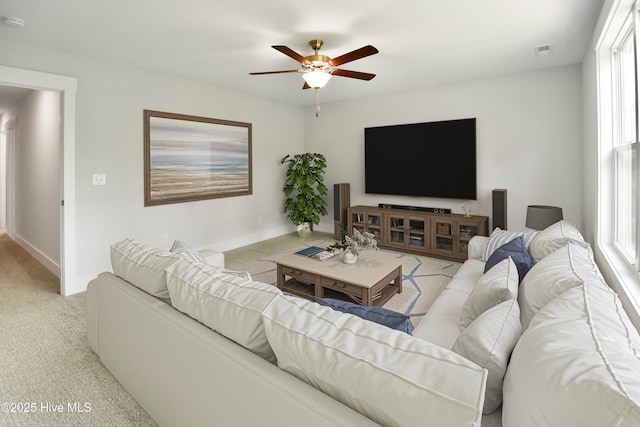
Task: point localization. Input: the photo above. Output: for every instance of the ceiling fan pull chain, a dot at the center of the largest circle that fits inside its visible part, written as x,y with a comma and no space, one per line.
317,102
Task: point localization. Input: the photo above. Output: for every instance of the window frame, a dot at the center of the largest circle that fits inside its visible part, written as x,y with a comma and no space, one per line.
620,272
630,29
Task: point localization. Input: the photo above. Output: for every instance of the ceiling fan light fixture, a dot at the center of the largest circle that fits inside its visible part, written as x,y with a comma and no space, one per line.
317,79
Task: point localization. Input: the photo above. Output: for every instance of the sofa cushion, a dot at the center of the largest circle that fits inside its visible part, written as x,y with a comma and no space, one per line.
477,244
441,324
488,341
142,266
228,304
500,237
390,377
242,274
516,249
495,286
567,267
184,250
382,316
576,365
552,238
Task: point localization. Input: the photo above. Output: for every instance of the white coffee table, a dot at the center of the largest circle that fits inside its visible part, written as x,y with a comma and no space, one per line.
373,280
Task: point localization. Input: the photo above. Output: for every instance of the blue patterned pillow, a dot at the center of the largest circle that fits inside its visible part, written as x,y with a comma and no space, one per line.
389,318
517,250
181,248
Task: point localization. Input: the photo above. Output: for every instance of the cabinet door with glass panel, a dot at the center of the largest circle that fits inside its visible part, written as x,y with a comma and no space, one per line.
466,229
450,236
366,221
443,240
407,232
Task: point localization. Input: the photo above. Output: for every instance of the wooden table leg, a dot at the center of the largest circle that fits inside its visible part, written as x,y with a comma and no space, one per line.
280,277
367,298
318,289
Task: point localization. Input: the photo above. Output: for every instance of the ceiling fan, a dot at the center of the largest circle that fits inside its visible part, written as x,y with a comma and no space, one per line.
317,69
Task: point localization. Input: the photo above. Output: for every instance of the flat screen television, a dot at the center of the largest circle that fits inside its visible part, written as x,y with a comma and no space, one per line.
434,159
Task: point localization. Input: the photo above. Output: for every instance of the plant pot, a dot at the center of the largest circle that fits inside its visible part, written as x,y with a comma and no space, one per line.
305,230
350,257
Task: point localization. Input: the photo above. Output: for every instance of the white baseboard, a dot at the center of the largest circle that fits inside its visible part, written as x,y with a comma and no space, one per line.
43,259
259,237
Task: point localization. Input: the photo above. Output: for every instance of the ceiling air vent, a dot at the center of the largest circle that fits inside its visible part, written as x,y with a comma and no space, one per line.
543,50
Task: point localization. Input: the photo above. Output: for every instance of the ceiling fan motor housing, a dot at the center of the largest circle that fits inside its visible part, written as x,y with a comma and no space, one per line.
317,61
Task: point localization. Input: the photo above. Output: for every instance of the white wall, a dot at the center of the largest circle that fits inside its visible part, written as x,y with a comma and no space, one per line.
37,185
4,118
529,139
529,131
109,139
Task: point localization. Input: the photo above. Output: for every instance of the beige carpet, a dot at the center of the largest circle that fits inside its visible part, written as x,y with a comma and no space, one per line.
48,373
423,278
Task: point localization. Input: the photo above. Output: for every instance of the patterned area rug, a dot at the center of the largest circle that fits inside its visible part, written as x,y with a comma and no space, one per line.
423,279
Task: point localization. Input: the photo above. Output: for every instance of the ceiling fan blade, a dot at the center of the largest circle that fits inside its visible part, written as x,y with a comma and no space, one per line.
353,74
292,54
274,72
306,86
352,56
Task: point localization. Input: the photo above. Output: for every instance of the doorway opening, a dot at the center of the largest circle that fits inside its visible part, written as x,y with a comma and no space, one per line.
66,86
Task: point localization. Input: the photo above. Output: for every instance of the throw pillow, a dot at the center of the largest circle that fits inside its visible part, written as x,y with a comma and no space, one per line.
579,361
552,238
182,249
142,266
489,341
382,316
388,376
500,237
495,286
567,267
228,304
517,250
242,274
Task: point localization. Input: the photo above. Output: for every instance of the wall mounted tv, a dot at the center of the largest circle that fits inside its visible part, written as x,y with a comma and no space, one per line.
435,159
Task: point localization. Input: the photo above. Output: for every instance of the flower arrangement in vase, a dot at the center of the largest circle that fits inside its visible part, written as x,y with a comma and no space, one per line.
352,245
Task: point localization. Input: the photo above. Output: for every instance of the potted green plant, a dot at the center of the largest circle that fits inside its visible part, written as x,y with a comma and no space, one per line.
304,190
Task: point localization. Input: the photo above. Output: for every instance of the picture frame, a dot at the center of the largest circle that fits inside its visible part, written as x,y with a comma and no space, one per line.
190,158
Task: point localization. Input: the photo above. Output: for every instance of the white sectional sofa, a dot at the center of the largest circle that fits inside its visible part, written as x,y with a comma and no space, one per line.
224,350
216,365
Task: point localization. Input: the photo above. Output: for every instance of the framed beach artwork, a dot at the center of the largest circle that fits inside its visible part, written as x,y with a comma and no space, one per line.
188,158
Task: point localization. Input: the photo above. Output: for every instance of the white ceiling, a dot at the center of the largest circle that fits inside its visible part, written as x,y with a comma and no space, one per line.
421,42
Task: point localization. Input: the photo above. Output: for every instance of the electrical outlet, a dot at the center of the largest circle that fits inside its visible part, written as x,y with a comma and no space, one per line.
164,239
99,179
